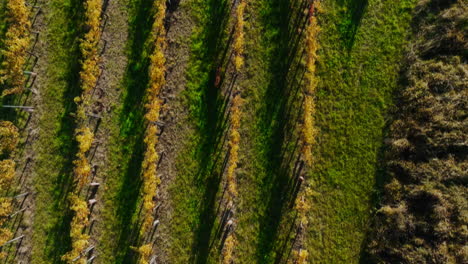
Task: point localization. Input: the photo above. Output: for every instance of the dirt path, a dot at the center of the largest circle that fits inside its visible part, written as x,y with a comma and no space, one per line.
106,96
179,26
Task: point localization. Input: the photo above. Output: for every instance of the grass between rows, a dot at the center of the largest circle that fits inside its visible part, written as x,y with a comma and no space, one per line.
268,141
195,191
361,46
358,71
55,146
121,198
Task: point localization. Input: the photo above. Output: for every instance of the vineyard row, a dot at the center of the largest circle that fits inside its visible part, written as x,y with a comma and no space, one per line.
89,75
234,136
12,80
308,131
153,106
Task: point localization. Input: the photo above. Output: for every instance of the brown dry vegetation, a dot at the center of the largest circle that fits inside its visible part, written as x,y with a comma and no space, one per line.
424,213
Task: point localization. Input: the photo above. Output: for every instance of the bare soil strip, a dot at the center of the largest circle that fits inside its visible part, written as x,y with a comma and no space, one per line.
179,25
107,96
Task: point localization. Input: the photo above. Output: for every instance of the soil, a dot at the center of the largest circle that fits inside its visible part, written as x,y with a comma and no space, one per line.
179,26
105,97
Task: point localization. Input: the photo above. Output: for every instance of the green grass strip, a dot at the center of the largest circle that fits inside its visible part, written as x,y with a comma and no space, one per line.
361,48
121,198
197,186
267,131
55,146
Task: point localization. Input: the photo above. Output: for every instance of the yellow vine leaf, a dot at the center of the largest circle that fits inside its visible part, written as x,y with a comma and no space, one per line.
16,43
9,137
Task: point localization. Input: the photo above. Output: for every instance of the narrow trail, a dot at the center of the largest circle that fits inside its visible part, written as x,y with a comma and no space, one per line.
179,25
107,95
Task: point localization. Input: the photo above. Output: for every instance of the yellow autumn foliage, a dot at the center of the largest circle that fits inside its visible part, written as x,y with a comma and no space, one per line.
145,253
5,236
85,139
302,258
8,140
89,75
309,130
89,45
82,168
239,36
235,119
157,81
16,43
228,249
79,223
7,173
9,137
5,209
234,139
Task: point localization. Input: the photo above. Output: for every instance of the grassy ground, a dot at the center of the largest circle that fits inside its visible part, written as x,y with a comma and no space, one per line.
197,187
358,70
268,131
121,194
54,148
194,192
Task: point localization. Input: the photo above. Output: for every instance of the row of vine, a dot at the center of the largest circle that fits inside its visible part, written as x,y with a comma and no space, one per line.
151,180
235,120
89,75
308,130
16,43
9,136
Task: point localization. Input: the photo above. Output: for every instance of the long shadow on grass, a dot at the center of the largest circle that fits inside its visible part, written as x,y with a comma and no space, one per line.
381,174
58,235
58,240
132,129
211,118
382,178
277,122
348,27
